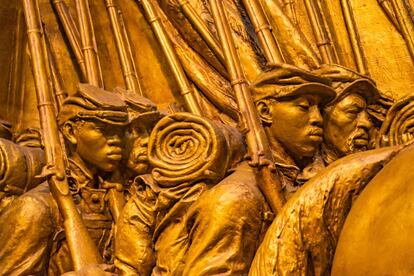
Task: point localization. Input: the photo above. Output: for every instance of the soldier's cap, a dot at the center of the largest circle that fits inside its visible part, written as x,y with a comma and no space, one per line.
287,81
141,111
94,103
5,129
346,81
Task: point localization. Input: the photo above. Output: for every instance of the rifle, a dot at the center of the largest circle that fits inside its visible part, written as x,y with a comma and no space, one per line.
258,145
263,31
186,89
122,43
71,31
197,22
82,248
320,31
58,87
90,52
354,37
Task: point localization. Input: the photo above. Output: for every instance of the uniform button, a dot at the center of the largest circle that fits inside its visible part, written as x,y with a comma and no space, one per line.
95,198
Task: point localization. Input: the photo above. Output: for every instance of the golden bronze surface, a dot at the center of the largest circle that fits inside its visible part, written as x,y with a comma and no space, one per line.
194,137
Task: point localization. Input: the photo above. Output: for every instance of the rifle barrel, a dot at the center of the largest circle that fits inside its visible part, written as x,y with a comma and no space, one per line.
186,89
258,145
90,52
60,92
199,25
72,33
82,248
121,40
319,29
263,31
354,37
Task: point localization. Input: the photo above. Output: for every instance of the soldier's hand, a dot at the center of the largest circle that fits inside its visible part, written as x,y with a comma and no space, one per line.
93,270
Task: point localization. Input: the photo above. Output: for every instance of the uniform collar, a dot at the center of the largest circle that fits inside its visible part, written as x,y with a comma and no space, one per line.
80,174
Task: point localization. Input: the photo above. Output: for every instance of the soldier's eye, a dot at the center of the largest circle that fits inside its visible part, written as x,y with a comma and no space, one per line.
353,111
304,106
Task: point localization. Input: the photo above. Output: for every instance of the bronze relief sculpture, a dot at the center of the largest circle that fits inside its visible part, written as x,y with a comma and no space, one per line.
220,137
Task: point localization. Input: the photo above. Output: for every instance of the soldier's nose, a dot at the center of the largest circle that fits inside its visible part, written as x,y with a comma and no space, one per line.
114,141
364,121
315,116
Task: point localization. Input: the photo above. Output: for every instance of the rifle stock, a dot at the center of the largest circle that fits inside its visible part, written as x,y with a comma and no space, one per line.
82,248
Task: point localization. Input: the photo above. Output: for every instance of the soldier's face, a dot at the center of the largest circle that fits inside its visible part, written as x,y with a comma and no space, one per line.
297,125
99,144
136,148
347,125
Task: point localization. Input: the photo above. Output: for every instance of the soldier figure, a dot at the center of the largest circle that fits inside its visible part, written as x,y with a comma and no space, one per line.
346,121
288,102
92,122
217,228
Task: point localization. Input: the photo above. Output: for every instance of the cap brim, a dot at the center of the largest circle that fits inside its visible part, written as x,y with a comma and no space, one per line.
364,87
326,93
148,119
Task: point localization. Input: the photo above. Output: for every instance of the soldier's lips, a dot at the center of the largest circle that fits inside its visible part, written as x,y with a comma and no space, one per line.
115,155
316,135
361,139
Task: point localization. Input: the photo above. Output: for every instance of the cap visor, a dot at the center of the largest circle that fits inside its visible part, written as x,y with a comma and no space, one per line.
363,87
326,93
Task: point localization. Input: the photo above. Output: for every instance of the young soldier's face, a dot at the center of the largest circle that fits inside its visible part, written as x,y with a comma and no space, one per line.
347,125
99,144
297,125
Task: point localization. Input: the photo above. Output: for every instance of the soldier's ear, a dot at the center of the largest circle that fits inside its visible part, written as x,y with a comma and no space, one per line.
264,110
68,130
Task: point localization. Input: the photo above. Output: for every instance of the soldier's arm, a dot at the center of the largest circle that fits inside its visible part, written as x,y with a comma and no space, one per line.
18,167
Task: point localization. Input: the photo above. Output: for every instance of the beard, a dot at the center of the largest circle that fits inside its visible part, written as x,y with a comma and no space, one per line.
351,143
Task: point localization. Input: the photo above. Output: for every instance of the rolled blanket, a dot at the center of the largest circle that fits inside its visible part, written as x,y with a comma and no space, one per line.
398,126
186,148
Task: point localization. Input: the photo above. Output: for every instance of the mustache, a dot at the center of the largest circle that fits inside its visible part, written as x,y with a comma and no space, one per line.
360,134
357,134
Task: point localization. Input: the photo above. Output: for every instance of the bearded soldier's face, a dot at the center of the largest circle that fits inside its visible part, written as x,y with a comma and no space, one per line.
347,125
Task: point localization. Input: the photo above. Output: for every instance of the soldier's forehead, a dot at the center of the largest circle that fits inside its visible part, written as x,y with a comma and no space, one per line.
96,123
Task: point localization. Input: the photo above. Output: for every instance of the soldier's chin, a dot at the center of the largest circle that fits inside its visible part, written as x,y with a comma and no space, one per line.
109,166
309,150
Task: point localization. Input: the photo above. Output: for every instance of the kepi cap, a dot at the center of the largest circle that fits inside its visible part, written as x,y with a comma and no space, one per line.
284,81
94,103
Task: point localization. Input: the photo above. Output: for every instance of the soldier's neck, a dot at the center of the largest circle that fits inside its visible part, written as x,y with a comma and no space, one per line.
279,153
282,156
